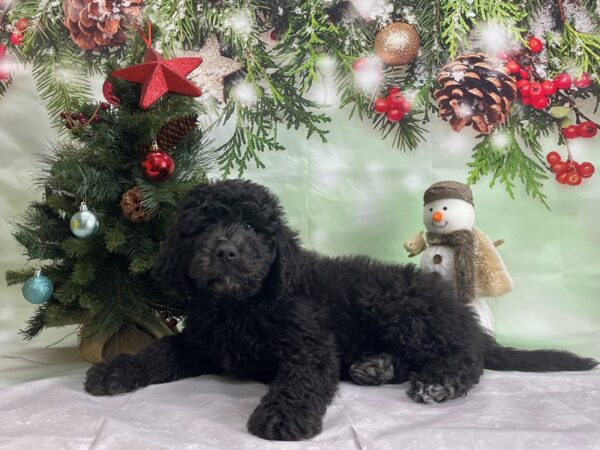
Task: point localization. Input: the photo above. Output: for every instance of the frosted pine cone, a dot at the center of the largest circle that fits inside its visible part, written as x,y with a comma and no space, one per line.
96,24
476,89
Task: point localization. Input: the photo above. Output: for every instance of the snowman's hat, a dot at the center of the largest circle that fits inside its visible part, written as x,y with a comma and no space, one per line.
448,189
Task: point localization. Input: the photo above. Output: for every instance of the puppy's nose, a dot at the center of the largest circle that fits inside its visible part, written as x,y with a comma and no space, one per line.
226,251
437,216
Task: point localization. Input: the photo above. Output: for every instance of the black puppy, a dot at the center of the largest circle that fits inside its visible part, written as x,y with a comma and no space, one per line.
262,308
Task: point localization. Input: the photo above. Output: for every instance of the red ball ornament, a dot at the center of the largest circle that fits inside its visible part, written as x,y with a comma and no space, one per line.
586,169
584,81
158,165
109,95
573,179
570,132
548,87
381,105
587,129
395,115
539,102
553,157
563,81
513,66
535,44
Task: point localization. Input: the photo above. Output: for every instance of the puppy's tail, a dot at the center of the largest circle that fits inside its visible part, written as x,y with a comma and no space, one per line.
506,358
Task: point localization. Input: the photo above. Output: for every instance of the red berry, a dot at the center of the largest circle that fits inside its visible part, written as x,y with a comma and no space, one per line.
63,115
536,90
394,115
562,178
522,83
21,24
587,129
526,100
359,64
584,81
406,105
172,322
273,35
16,38
548,87
396,100
524,74
586,169
381,105
553,157
392,90
503,55
570,132
535,45
563,81
559,167
574,179
104,106
96,119
525,88
539,102
513,66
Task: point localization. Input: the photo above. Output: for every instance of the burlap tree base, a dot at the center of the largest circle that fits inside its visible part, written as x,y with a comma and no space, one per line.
131,338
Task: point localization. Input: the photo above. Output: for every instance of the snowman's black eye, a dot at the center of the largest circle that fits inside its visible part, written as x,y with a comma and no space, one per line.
430,209
445,208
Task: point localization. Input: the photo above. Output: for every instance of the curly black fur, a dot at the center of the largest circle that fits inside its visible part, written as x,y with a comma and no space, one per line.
260,307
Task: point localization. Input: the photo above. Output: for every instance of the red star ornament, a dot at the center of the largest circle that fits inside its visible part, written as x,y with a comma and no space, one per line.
159,76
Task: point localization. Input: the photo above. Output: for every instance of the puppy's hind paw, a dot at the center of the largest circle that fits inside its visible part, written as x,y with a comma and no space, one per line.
373,370
431,392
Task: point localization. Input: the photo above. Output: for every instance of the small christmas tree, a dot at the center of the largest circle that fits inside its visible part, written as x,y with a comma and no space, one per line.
99,260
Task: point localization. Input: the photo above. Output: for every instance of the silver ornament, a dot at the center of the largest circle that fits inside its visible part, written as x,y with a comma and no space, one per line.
84,223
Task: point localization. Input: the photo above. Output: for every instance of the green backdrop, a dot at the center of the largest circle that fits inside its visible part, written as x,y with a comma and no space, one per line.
357,194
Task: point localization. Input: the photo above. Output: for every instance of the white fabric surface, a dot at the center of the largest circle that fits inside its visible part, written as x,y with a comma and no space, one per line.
505,411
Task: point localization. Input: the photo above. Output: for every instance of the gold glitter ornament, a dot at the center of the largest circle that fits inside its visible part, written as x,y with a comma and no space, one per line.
397,44
210,75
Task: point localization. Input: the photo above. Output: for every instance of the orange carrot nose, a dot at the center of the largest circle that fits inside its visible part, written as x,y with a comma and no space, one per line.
437,216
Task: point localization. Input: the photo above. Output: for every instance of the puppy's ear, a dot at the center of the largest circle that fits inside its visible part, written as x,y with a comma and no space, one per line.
286,264
176,251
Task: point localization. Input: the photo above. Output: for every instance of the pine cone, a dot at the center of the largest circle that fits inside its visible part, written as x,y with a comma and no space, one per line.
176,131
95,24
476,89
131,205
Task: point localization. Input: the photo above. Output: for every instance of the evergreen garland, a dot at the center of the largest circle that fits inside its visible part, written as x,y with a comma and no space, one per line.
307,31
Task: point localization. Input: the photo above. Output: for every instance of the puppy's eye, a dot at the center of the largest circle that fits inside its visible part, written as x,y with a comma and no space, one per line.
248,226
445,208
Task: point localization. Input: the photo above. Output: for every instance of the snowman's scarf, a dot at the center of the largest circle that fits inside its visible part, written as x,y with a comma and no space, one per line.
464,260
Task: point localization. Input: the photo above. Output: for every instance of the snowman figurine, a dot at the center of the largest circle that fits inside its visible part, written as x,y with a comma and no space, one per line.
459,252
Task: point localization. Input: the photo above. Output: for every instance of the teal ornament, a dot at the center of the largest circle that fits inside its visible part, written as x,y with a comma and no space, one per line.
38,289
84,223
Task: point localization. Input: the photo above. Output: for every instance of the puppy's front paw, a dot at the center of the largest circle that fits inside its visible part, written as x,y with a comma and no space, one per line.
282,422
114,377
